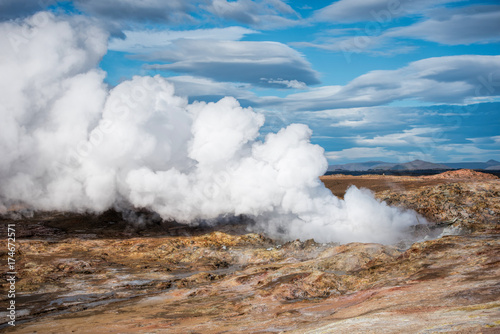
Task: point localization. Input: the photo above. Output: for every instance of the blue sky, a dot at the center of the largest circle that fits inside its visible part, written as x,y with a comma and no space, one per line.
392,80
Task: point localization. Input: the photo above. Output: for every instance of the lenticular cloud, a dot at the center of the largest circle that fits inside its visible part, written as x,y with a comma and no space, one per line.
69,142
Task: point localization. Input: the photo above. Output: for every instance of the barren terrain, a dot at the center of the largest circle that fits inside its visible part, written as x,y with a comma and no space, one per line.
85,273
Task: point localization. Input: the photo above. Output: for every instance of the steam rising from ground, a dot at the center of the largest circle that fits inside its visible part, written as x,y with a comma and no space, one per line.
68,142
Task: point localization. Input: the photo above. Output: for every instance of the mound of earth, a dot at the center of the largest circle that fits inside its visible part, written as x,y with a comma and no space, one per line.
463,174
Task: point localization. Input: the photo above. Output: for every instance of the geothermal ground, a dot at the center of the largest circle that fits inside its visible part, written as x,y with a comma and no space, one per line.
100,274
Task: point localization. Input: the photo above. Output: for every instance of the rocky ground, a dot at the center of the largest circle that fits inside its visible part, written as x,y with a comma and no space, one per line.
102,274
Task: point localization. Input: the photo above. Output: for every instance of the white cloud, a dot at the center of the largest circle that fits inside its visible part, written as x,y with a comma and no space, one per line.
363,119
464,26
451,79
492,140
286,83
348,11
354,153
468,152
316,93
147,41
265,14
450,26
414,137
120,14
140,11
352,123
379,45
198,88
236,61
435,153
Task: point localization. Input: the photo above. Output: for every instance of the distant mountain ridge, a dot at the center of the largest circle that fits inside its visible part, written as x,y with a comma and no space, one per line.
413,165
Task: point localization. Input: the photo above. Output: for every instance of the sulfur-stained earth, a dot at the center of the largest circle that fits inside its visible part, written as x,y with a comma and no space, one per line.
81,273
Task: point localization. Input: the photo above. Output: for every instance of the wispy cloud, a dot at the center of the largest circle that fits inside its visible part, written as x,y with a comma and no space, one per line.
491,140
363,119
477,24
415,136
435,153
452,79
286,83
354,153
264,14
147,41
463,25
172,11
467,152
347,11
378,45
201,88
236,61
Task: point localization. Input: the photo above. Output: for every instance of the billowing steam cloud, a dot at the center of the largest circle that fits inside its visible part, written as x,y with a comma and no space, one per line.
68,142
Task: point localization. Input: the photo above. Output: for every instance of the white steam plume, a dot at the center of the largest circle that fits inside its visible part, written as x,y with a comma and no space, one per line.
67,142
